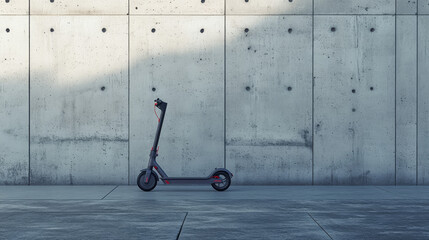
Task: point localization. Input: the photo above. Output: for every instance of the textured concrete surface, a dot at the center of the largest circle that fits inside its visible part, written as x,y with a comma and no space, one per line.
177,7
81,7
13,99
241,7
8,7
354,6
268,87
354,102
406,99
423,101
78,99
274,102
242,212
423,7
406,6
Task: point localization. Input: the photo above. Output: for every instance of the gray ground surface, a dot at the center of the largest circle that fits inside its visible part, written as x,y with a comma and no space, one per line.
187,212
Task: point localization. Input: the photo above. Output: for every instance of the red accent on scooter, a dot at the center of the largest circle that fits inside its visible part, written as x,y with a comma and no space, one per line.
155,167
167,182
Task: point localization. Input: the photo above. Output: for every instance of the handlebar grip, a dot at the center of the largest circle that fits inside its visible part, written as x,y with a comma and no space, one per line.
158,101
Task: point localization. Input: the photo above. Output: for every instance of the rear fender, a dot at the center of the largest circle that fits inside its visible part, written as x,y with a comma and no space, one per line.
221,170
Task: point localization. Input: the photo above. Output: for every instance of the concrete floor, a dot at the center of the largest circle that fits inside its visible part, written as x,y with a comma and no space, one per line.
187,212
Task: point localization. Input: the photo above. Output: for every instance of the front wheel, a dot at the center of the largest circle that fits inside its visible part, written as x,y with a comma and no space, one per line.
225,181
151,184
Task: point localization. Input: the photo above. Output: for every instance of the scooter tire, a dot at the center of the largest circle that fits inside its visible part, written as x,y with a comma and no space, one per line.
150,185
226,181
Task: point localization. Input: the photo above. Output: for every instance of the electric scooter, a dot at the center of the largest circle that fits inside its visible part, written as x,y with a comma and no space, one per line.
220,178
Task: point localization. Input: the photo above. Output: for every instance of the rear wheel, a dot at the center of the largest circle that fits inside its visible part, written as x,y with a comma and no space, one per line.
151,184
225,181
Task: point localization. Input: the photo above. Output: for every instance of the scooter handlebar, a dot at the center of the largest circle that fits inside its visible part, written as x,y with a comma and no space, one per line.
158,101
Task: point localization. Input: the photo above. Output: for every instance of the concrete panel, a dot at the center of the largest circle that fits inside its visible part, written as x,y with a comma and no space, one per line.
406,99
354,6
81,7
13,100
269,7
406,6
269,99
14,7
79,100
423,101
159,7
423,6
181,61
354,100
91,225
247,225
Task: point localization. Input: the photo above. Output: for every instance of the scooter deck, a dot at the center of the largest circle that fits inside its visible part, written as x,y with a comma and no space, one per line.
189,180
186,178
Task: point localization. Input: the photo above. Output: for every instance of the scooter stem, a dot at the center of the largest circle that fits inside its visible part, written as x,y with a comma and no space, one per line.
163,107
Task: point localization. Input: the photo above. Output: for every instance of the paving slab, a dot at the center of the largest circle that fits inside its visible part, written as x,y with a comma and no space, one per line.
91,226
374,225
261,212
54,192
267,225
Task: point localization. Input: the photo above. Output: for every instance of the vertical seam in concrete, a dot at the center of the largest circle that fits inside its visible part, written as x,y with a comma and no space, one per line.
29,107
129,77
417,95
224,84
312,96
396,3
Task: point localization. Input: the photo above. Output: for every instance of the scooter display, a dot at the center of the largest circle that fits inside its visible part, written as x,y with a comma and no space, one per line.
220,178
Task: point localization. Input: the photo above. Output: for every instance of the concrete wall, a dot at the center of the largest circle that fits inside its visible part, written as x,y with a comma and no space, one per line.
279,92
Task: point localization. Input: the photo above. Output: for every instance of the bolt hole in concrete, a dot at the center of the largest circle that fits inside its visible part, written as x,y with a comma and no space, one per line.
103,88
353,109
202,30
353,91
203,1
290,0
103,30
246,30
137,8
371,88
289,30
333,29
52,1
7,30
52,30
289,89
7,1
246,0
372,29
153,30
153,89
247,88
